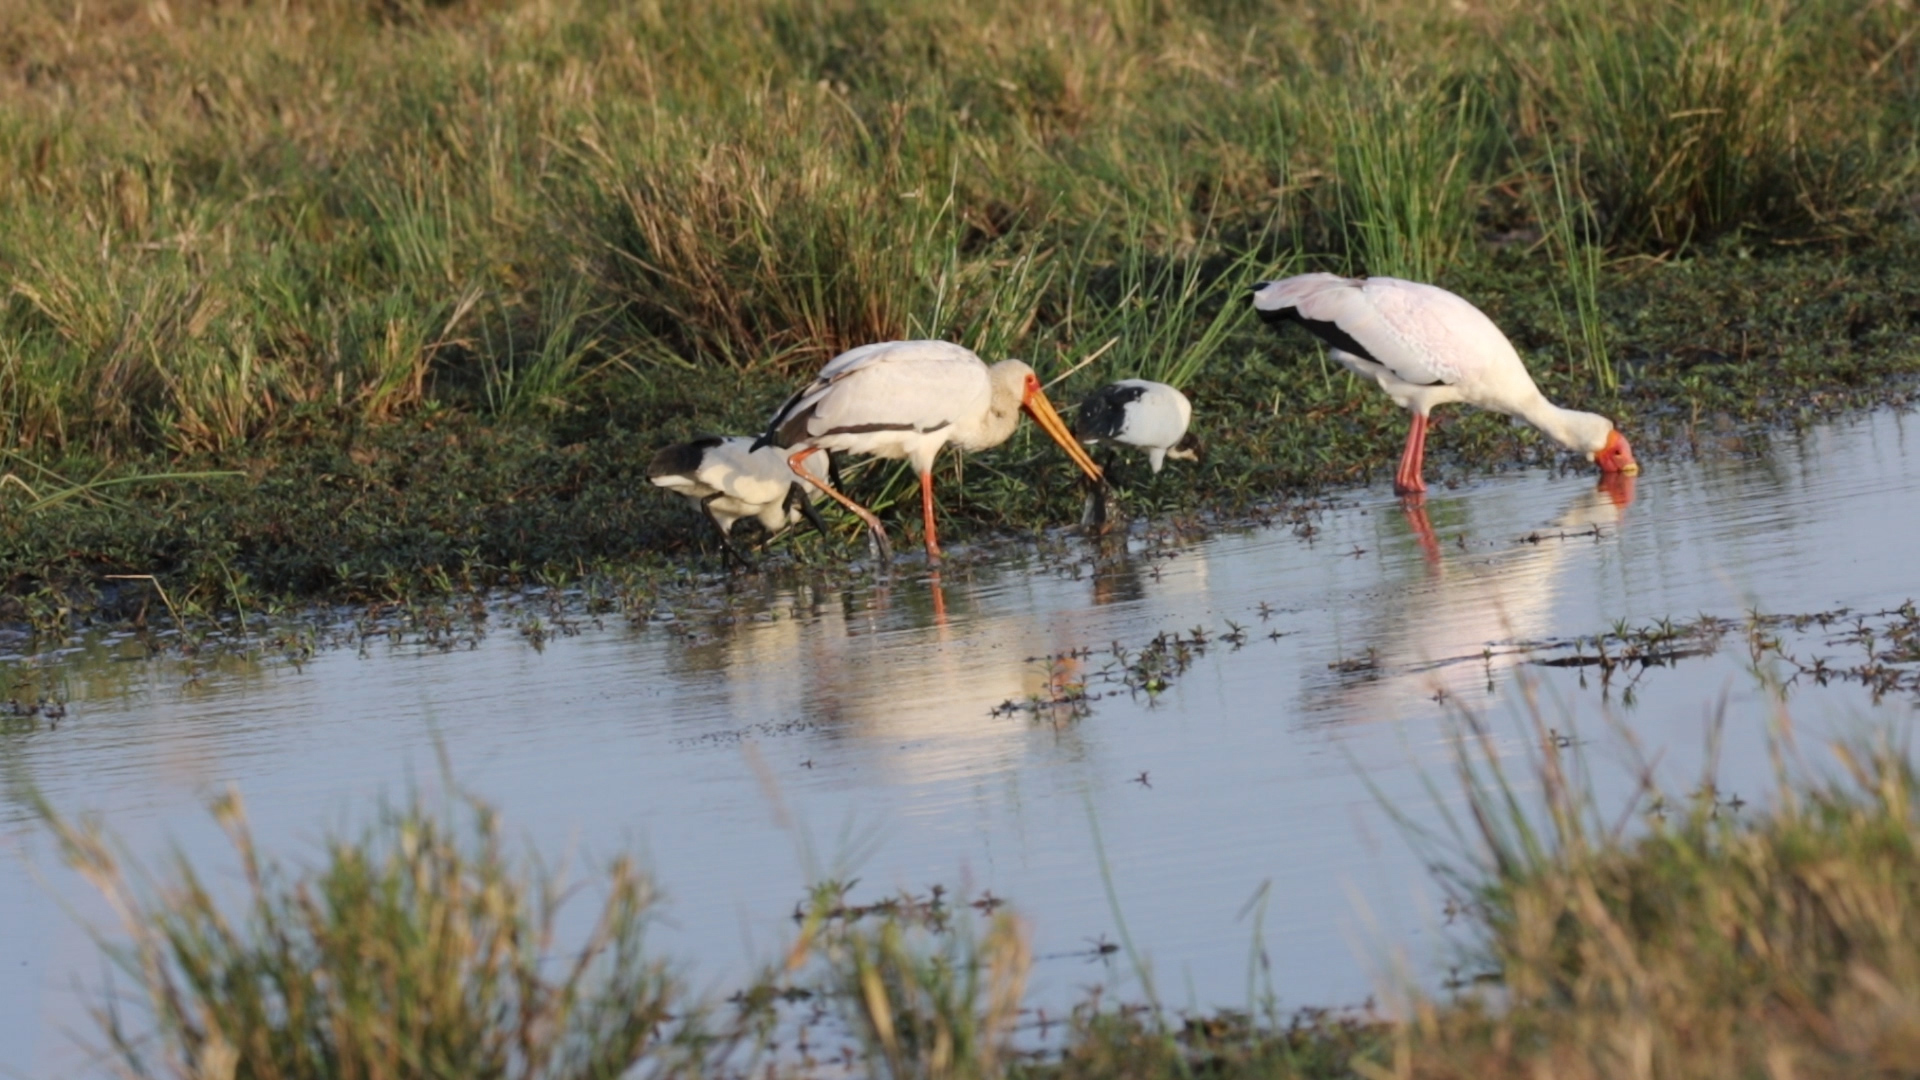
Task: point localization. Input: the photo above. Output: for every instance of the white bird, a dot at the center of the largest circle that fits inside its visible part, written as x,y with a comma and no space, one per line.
1427,347
1136,412
1139,412
731,481
907,399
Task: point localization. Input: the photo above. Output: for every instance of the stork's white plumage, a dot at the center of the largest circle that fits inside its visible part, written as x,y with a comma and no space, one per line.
1425,347
731,481
907,399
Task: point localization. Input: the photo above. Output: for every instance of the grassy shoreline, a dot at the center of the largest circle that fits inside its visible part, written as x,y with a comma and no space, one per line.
1712,350
437,277
433,278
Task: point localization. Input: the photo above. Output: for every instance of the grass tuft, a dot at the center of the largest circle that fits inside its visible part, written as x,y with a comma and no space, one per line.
929,1002
1409,159
415,949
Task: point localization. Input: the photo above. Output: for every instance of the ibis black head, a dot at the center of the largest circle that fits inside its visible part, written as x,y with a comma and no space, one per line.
682,459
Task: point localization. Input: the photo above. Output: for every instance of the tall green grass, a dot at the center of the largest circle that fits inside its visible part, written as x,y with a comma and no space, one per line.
1694,119
1409,158
215,218
1572,234
420,948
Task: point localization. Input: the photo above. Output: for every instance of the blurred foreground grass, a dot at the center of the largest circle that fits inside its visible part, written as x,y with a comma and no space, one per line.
1685,936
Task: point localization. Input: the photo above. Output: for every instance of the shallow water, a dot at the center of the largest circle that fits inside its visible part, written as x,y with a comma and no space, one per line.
773,733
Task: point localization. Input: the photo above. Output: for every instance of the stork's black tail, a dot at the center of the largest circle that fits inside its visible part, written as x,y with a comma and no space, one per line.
1278,303
771,437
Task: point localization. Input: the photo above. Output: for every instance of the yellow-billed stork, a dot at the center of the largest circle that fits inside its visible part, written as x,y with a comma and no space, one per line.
907,399
1425,347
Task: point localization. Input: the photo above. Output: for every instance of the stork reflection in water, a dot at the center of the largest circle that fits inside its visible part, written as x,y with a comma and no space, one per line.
1463,617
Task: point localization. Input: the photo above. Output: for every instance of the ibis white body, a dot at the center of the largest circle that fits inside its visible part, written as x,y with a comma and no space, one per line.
1139,412
1426,347
730,481
907,399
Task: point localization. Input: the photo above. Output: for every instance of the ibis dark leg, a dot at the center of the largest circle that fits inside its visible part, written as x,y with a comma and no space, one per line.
1094,515
726,541
797,500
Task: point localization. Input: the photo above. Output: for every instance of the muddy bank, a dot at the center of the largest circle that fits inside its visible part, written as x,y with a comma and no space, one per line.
1719,350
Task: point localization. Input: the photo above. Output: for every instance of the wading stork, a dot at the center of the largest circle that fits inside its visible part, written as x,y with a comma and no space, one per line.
1427,347
1136,412
730,481
907,399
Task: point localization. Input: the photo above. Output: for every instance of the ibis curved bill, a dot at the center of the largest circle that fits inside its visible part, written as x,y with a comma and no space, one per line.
1426,346
907,399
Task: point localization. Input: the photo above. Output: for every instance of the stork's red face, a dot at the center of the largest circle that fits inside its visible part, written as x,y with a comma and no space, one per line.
1033,400
1616,456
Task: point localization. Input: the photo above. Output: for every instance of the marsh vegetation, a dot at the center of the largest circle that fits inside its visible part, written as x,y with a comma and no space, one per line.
379,299
436,276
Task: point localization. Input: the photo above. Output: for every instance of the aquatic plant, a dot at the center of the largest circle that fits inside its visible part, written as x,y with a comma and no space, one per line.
933,992
1680,934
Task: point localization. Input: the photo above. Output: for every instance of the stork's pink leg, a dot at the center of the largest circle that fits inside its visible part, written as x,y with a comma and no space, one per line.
926,512
1407,480
866,515
1420,455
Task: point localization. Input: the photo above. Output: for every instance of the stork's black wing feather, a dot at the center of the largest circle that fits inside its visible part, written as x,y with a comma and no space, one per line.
771,437
1326,330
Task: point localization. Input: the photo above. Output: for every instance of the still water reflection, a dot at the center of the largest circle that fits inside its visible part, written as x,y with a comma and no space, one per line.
781,731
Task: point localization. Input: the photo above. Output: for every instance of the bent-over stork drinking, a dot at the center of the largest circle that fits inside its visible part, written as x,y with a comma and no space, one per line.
1427,347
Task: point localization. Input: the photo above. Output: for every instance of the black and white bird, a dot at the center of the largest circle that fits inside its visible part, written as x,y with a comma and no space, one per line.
907,399
1136,412
1426,347
1139,412
730,480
